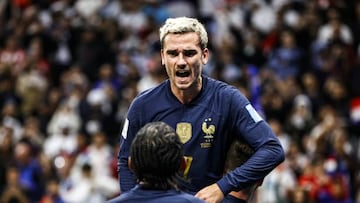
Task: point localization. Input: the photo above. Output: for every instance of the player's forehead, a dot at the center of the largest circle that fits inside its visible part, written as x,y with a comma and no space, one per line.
182,41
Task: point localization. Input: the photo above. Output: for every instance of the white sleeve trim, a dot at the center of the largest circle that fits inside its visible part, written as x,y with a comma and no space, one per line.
125,129
253,113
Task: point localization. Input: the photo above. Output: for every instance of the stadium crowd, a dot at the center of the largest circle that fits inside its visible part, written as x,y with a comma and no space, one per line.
70,68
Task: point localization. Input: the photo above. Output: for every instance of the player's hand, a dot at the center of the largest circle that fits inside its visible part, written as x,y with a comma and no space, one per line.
211,194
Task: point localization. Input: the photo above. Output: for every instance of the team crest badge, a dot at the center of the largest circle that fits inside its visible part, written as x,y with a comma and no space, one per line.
184,131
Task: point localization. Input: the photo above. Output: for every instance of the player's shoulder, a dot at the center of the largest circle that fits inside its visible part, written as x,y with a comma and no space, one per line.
152,94
183,197
153,196
223,89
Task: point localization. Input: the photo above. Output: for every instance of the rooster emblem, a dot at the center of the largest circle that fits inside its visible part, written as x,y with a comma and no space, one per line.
208,130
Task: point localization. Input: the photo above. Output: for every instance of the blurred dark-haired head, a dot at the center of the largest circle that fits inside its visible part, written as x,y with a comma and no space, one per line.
156,156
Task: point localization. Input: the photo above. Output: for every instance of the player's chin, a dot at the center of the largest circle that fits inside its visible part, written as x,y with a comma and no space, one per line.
183,82
182,86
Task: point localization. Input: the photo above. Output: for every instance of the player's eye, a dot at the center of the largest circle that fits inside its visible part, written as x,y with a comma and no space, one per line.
190,53
172,53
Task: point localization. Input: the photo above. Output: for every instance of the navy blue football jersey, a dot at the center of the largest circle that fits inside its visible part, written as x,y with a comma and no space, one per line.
138,195
206,127
232,199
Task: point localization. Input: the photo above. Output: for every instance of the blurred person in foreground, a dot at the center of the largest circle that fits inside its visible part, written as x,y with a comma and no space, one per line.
156,159
238,154
207,114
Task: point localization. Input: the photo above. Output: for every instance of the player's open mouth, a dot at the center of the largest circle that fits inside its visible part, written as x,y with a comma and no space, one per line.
182,73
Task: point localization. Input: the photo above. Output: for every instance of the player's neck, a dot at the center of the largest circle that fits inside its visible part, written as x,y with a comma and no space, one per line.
188,95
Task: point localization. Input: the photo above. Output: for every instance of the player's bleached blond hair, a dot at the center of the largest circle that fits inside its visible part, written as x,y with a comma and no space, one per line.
181,25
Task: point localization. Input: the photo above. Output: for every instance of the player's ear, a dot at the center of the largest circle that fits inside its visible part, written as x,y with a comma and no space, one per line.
205,56
162,57
182,165
130,164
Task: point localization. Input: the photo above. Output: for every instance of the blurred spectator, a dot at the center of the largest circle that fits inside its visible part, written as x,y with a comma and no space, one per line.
10,118
317,143
12,56
271,98
286,60
7,93
336,96
310,179
278,185
7,143
156,73
131,17
228,22
128,94
52,193
299,195
36,55
301,119
73,81
251,52
64,117
88,9
98,111
64,38
297,159
31,87
14,191
2,6
89,189
62,130
30,171
334,29
263,16
333,51
98,154
6,153
90,52
108,77
334,191
283,137
156,10
178,8
47,107
126,68
63,164
311,88
101,103
31,131
227,66
277,95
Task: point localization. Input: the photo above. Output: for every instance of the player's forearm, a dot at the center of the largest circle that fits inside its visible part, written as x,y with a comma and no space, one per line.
126,177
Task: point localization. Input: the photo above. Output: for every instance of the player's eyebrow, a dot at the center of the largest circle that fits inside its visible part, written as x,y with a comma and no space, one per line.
173,52
189,52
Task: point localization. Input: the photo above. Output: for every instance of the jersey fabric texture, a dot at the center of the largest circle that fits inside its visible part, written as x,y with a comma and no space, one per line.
232,199
138,195
206,126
